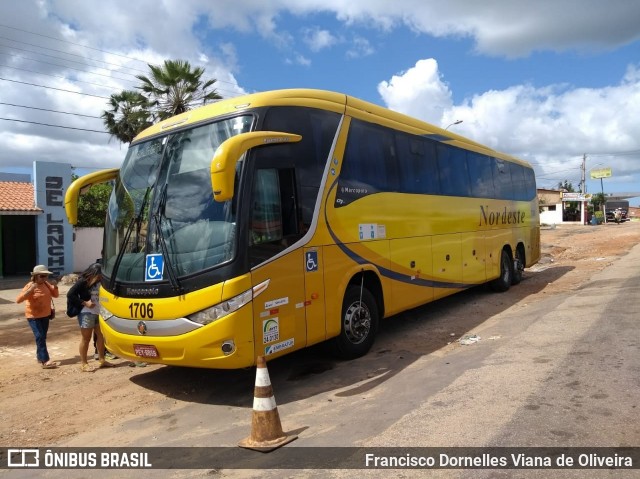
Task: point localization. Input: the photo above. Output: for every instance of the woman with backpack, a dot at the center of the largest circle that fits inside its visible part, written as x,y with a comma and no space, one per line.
83,297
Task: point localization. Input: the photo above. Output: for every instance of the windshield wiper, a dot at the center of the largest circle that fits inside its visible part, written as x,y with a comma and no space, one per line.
116,264
157,218
123,246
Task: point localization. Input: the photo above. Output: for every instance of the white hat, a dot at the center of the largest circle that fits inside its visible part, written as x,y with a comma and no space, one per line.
40,269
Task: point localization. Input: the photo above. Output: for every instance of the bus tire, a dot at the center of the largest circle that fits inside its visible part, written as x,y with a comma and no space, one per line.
359,320
518,266
502,282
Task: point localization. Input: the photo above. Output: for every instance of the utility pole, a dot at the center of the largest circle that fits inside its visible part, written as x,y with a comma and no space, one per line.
583,189
583,183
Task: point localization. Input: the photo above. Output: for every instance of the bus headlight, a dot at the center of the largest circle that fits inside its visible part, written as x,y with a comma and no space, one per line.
105,313
221,310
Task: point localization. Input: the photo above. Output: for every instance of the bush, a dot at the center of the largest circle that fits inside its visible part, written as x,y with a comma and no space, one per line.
599,217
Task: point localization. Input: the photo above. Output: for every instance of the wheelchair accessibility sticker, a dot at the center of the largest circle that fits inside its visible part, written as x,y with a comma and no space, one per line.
311,260
154,267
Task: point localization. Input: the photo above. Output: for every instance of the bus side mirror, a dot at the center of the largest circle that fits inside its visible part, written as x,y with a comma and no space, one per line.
223,163
81,185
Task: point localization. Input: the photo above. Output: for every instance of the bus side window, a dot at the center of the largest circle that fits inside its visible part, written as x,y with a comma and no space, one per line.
266,214
480,174
452,165
417,168
519,180
274,213
502,179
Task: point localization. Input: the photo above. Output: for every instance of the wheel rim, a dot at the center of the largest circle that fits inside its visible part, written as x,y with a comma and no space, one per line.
357,322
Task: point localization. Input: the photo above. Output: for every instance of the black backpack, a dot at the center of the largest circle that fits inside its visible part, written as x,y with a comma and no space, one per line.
73,307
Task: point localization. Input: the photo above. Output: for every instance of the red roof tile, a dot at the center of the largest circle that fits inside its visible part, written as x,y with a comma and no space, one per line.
17,198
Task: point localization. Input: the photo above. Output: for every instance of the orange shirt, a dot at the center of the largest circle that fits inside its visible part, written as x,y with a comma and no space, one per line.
38,303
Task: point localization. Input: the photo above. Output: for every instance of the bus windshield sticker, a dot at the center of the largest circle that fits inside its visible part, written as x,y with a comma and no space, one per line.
274,348
154,267
276,302
270,330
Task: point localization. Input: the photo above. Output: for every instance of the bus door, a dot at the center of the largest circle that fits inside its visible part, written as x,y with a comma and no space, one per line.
278,312
315,296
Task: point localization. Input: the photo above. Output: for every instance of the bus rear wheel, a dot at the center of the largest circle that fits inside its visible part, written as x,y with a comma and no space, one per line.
359,323
518,266
502,282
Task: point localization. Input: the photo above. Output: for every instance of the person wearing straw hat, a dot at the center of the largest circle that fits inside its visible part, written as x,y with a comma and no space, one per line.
38,296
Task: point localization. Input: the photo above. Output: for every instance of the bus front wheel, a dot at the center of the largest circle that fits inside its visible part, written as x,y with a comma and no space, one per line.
502,282
359,323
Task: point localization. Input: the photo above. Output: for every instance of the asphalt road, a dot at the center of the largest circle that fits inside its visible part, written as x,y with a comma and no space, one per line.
567,376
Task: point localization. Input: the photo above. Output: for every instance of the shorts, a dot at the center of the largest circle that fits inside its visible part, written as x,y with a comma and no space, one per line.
88,320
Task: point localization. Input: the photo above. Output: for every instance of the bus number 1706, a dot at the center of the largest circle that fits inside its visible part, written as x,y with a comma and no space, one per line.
141,310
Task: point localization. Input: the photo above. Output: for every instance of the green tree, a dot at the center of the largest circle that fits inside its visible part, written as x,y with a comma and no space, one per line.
92,205
597,200
567,186
570,208
175,87
128,115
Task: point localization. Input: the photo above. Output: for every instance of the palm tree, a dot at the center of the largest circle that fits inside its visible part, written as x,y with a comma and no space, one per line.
175,88
128,116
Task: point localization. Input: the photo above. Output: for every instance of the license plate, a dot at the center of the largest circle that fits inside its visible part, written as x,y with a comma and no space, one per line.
145,351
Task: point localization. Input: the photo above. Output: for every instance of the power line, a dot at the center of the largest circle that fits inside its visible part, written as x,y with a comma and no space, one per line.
88,83
621,153
58,89
45,109
66,53
86,65
72,43
55,126
92,48
58,76
68,67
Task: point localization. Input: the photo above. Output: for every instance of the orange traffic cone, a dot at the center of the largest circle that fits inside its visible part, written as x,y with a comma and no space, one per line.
266,430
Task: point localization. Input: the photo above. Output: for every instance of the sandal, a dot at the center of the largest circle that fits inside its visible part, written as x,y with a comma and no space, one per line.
49,365
85,368
105,364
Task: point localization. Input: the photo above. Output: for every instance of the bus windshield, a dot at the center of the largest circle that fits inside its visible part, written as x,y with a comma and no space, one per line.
163,204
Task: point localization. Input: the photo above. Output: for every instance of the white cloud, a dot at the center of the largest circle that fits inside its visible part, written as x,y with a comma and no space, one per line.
512,29
360,47
318,39
551,126
418,92
298,59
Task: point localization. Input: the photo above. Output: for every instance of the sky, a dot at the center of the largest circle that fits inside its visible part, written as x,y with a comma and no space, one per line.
554,82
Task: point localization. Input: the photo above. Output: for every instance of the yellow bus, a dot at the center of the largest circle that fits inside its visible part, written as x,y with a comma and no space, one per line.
259,225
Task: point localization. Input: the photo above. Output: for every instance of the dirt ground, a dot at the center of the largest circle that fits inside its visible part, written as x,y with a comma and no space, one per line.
63,402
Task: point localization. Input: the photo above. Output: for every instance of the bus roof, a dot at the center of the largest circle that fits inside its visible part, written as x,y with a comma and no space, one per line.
322,99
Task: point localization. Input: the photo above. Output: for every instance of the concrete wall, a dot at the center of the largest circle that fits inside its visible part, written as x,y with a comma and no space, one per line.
551,217
54,233
87,247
